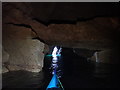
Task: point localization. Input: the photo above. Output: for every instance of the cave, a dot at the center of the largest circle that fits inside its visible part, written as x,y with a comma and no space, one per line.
87,34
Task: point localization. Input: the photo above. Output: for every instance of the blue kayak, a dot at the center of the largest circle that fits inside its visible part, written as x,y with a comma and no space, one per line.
55,83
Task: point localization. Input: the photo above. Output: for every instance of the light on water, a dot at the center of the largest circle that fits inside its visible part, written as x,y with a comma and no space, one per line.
56,52
55,82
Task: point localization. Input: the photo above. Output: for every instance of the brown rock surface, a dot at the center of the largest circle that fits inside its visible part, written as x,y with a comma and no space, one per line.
108,56
96,33
21,23
24,52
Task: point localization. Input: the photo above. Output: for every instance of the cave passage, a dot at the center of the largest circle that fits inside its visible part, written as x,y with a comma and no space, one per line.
74,71
79,72
78,40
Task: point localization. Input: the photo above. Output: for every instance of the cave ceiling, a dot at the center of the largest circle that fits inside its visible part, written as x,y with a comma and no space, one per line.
77,25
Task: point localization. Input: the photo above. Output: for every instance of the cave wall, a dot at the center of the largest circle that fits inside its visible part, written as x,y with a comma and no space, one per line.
94,33
20,51
0,54
110,56
5,57
20,26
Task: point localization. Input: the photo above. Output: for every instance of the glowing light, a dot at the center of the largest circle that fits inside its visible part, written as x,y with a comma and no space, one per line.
96,56
55,60
54,53
59,51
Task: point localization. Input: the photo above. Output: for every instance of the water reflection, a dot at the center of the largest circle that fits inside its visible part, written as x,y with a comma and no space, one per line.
56,54
23,79
77,73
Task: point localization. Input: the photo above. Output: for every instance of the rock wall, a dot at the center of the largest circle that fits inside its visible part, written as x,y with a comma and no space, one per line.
107,56
0,57
5,59
96,33
22,29
86,53
21,52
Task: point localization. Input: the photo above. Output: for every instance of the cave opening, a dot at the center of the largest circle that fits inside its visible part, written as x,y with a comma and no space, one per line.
79,67
87,35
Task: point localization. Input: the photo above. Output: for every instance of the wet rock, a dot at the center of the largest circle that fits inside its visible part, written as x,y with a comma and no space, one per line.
24,52
46,49
5,60
4,69
110,56
5,56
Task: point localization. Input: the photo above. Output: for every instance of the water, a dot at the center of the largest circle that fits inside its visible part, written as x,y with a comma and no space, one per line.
19,79
76,72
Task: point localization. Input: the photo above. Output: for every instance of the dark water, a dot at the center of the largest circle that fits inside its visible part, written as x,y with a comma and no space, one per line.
76,72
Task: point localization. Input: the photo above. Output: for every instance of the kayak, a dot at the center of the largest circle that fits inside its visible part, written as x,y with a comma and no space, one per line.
55,83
